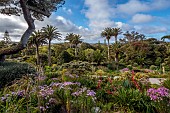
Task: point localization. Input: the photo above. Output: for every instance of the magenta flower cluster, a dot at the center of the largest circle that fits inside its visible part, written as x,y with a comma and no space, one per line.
158,94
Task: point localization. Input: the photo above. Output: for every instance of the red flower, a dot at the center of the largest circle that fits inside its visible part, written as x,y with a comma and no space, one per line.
109,92
110,80
133,80
99,84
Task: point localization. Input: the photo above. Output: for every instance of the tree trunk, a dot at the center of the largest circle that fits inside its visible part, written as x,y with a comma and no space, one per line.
25,36
75,51
163,69
108,48
117,59
37,55
116,39
49,53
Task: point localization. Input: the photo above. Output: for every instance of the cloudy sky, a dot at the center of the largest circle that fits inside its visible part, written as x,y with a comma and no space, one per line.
89,17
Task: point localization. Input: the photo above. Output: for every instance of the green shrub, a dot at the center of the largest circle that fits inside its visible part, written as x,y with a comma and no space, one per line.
31,60
153,67
111,66
130,67
167,68
166,83
135,64
77,67
10,71
133,100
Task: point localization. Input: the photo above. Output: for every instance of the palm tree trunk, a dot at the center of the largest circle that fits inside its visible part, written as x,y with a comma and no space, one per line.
76,51
49,53
108,48
117,59
116,39
37,55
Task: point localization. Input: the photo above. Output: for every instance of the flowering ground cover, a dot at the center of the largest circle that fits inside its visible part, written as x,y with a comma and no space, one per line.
67,92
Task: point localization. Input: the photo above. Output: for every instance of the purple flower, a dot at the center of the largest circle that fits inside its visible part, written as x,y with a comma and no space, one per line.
76,76
54,78
21,93
64,85
46,91
56,84
158,94
91,93
68,83
7,95
41,78
124,69
42,108
52,101
3,99
77,93
84,90
13,93
71,76
77,83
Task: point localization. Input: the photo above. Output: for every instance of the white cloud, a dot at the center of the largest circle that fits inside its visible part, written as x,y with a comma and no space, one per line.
68,11
65,26
99,14
151,29
14,25
137,6
124,26
132,7
141,18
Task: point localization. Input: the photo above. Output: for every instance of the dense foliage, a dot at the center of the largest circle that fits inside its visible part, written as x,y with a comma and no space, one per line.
10,71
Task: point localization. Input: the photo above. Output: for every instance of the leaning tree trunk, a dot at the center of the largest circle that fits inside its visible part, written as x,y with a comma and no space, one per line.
25,36
49,53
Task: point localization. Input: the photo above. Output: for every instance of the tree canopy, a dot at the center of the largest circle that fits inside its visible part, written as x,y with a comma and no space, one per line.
38,8
30,10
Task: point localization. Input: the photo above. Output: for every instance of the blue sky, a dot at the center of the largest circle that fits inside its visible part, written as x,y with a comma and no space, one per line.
149,17
89,17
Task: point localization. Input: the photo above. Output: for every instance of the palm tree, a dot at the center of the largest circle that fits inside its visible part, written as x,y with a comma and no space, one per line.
108,33
50,33
76,40
142,37
36,40
165,37
133,36
116,32
69,38
166,44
